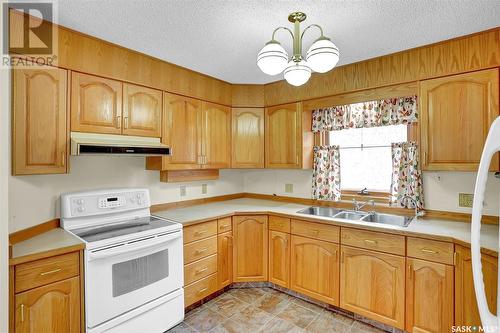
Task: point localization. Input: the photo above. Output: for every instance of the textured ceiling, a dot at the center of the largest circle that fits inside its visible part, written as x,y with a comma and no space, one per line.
222,38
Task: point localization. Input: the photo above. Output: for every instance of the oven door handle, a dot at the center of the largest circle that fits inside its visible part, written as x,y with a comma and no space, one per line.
136,246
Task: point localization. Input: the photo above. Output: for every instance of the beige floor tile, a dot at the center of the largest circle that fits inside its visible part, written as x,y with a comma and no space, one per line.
339,317
359,327
181,328
248,295
272,303
204,320
325,322
297,315
314,308
253,316
227,305
278,325
231,326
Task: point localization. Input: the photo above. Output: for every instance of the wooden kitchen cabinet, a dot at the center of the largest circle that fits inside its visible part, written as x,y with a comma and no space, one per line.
215,136
247,140
373,285
96,104
466,311
279,258
142,109
315,269
456,113
39,121
250,248
224,259
429,297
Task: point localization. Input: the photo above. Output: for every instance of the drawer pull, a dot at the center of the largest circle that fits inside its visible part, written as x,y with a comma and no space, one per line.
201,250
429,251
370,241
201,291
51,272
201,270
315,231
224,226
199,233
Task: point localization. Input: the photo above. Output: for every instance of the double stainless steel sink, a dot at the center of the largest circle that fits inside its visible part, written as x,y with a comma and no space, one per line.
398,220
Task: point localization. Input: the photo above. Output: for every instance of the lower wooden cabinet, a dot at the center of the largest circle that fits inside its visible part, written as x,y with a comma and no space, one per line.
279,258
373,285
315,269
250,248
53,308
466,312
429,297
224,259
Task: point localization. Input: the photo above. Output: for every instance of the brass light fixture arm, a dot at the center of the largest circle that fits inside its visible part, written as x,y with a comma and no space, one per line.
315,26
281,28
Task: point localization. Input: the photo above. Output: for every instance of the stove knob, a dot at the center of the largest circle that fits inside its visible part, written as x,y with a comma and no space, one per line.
132,200
79,201
81,209
139,202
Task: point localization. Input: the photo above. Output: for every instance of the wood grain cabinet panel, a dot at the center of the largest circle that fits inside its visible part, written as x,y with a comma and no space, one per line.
429,297
279,258
39,121
250,248
466,312
314,268
142,109
96,104
457,112
373,285
216,136
54,308
247,141
225,259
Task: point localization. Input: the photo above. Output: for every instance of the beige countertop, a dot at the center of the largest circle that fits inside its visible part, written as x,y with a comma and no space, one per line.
449,230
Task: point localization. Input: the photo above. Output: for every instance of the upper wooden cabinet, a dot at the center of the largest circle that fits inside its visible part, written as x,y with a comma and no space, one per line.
288,137
456,113
96,104
142,108
247,141
466,312
39,107
215,136
250,248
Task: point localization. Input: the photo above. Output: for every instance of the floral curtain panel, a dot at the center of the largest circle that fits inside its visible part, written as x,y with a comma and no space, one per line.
391,111
326,173
406,176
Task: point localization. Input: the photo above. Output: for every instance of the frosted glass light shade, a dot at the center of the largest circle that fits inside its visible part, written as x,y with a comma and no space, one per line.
297,73
322,56
272,59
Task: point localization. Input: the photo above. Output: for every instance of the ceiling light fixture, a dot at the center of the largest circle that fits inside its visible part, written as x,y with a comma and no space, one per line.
321,57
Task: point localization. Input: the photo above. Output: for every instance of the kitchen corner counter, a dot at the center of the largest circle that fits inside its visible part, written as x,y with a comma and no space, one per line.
446,230
52,242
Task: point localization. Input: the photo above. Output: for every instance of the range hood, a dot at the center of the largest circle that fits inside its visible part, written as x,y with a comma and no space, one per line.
109,144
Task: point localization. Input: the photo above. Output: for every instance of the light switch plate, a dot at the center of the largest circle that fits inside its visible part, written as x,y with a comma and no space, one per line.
204,188
288,188
182,190
465,199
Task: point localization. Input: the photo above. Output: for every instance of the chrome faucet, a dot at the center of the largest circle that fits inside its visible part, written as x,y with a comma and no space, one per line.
358,205
417,213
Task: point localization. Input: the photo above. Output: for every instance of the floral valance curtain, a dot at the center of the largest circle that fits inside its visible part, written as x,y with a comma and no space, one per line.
406,184
326,173
391,111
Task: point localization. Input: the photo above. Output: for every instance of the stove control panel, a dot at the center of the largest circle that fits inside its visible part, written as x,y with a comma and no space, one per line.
112,202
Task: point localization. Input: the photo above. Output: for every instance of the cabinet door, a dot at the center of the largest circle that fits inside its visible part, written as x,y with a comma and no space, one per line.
248,138
216,136
315,269
429,297
141,111
96,104
54,308
457,112
466,312
279,258
283,136
224,259
373,285
250,248
39,121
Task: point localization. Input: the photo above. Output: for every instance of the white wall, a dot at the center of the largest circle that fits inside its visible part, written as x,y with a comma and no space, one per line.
35,199
440,188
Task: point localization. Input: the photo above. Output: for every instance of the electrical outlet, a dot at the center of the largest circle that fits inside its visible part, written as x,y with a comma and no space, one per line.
204,188
288,188
182,189
465,199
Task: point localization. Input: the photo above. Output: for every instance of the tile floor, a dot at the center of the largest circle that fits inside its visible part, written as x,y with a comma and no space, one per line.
265,310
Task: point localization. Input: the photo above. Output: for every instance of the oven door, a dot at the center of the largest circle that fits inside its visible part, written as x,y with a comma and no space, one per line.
124,276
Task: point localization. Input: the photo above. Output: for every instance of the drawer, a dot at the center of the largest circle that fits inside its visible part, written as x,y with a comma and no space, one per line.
320,231
372,240
200,289
199,231
278,223
199,269
200,249
44,271
430,250
224,225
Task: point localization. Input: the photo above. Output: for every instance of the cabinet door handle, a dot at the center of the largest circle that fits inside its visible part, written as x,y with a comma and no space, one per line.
51,272
202,290
125,122
201,250
336,255
410,272
63,158
429,251
342,256
201,270
22,313
118,121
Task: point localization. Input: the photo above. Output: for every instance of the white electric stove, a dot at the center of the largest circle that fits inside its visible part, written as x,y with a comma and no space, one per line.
133,261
